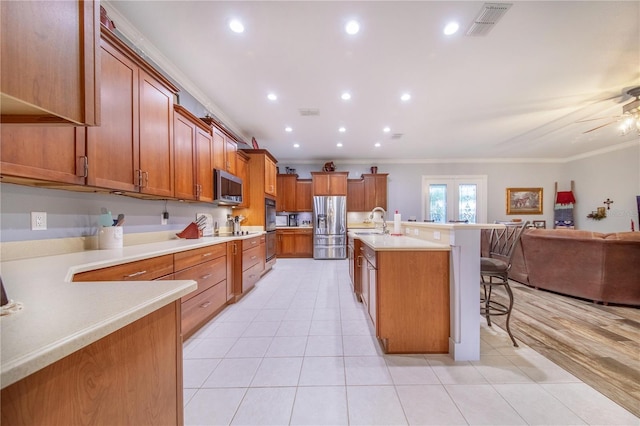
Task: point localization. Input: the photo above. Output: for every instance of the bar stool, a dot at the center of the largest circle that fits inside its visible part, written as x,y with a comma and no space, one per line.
494,271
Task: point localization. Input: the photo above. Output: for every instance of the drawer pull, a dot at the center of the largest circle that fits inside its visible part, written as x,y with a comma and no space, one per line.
254,257
252,276
204,277
254,242
205,304
135,274
207,254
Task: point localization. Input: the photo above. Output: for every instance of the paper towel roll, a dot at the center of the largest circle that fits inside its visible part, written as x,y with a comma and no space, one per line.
396,223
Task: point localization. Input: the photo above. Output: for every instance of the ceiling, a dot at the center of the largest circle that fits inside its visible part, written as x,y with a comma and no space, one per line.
515,93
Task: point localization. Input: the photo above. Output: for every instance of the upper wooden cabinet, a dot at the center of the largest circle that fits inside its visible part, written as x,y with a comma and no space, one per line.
367,192
329,183
193,153
261,170
304,195
270,181
47,153
132,149
286,200
242,169
375,191
224,150
49,62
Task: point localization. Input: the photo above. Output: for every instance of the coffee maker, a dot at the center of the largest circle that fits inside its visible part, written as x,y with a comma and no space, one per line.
293,220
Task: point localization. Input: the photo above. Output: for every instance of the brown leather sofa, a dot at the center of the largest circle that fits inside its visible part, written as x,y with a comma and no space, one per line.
590,265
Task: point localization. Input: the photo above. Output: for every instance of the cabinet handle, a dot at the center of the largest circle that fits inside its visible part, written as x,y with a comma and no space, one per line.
205,304
135,274
235,249
359,263
139,178
204,277
254,257
146,179
252,276
254,243
84,166
207,254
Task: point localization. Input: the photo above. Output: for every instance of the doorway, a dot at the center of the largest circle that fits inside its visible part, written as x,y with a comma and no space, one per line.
454,199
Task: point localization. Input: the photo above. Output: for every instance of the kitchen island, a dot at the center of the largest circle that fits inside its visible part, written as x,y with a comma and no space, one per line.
107,352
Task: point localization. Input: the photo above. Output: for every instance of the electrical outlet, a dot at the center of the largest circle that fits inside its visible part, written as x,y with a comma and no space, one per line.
38,221
416,232
436,235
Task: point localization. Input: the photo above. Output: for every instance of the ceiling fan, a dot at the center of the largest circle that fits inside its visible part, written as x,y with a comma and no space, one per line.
630,116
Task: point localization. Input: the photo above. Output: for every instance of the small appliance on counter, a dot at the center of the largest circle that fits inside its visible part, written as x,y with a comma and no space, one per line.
293,220
282,220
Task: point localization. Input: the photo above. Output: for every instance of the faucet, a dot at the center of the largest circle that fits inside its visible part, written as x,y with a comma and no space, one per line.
383,214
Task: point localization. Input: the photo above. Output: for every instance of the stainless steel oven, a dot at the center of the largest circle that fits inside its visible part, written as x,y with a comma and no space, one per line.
270,227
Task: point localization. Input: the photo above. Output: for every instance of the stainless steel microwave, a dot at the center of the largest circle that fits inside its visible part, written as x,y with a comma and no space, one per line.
227,188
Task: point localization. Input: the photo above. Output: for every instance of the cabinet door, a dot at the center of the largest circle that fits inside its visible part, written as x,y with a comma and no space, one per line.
242,166
184,138
364,278
355,195
373,296
303,243
338,184
54,154
270,185
219,159
304,196
113,147
285,243
230,149
204,165
321,184
375,191
49,61
286,200
156,137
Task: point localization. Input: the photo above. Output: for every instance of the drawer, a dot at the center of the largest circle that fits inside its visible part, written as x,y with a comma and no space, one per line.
141,270
251,276
189,258
369,254
206,274
250,243
251,257
202,307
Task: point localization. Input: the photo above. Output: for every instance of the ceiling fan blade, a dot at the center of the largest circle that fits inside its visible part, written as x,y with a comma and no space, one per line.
600,127
616,117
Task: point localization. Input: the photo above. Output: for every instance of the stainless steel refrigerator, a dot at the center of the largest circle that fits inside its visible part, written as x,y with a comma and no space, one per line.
330,227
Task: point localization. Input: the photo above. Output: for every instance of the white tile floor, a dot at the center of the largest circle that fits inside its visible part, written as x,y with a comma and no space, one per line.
298,349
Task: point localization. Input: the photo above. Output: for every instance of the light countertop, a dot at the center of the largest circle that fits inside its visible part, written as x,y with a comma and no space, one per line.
387,242
60,317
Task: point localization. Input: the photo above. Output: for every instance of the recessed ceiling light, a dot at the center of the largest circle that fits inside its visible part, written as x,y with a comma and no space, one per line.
346,96
386,129
272,96
339,144
451,28
352,27
405,97
342,129
288,129
296,145
236,26
377,145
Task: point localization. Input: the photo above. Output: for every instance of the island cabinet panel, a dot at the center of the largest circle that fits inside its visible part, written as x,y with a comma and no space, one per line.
49,59
141,270
132,376
48,153
412,301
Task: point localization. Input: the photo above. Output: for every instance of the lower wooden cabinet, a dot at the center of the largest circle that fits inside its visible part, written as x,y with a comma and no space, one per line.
248,263
141,270
132,376
294,243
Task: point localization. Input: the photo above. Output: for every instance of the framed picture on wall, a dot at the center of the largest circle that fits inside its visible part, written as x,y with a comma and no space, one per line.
540,224
524,200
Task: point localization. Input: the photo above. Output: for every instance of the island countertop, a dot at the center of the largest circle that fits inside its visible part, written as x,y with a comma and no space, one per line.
380,242
60,317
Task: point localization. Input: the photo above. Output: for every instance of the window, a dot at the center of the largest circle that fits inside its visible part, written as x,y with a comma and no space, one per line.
454,198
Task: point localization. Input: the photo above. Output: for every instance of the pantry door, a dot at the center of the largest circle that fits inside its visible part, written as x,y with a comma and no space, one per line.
454,198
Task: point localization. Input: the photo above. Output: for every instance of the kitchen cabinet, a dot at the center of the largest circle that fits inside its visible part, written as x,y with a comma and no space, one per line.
49,62
294,242
270,180
132,149
355,261
242,167
224,149
355,195
132,376
304,195
141,270
208,267
286,199
329,183
261,164
375,191
248,263
406,294
193,169
43,153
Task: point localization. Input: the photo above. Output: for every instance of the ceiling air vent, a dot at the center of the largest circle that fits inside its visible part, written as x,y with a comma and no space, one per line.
397,135
307,112
488,17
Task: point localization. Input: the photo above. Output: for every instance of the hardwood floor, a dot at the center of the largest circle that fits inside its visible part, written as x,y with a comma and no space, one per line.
596,343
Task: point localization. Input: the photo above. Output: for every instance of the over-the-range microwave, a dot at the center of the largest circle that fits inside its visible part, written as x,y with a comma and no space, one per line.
227,188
